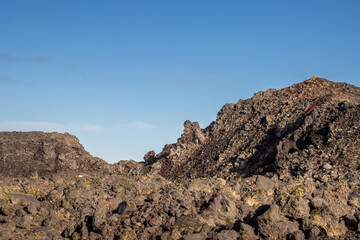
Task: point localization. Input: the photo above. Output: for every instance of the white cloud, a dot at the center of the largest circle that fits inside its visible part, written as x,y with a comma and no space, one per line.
47,127
25,126
136,126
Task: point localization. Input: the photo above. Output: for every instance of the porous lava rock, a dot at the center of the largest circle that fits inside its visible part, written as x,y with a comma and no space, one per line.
283,164
274,131
28,153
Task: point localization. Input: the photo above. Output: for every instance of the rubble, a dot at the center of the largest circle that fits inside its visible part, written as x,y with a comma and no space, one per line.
284,164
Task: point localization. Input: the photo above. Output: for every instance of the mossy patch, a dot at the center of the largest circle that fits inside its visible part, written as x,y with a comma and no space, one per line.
129,234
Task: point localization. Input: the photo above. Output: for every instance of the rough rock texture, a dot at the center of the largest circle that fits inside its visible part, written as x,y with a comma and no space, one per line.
272,132
281,165
27,153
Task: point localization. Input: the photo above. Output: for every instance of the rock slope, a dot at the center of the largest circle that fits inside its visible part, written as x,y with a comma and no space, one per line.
28,153
281,165
274,131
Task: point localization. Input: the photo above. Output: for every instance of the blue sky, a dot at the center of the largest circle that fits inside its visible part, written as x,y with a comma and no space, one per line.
123,76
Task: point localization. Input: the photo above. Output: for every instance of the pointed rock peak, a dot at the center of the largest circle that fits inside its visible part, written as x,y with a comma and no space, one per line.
187,124
192,133
316,80
312,88
191,126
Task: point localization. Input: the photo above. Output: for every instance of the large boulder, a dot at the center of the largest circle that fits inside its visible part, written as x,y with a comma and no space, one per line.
274,225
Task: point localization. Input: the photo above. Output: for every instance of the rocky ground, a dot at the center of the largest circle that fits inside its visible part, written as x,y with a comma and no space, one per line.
284,164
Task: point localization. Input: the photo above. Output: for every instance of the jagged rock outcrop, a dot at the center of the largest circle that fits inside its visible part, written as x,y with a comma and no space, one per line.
274,131
28,153
281,165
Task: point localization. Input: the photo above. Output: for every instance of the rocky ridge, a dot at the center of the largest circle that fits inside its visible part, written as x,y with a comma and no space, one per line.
28,153
270,132
283,164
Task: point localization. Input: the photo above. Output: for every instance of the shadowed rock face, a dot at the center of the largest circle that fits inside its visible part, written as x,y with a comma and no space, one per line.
27,153
272,131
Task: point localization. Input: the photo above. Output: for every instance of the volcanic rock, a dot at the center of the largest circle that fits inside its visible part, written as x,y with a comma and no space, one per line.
284,164
272,131
39,153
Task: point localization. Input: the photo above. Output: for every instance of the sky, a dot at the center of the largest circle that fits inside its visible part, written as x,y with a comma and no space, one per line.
123,76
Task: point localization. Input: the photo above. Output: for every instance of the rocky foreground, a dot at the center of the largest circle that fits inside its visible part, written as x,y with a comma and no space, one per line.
284,164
